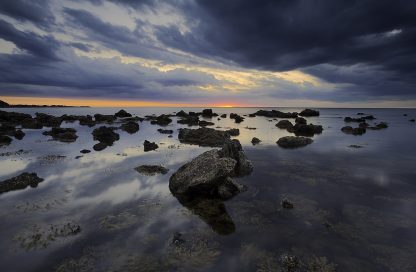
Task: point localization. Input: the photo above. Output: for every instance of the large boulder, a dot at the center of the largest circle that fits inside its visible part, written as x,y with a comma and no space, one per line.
293,141
208,113
211,173
203,136
309,112
20,182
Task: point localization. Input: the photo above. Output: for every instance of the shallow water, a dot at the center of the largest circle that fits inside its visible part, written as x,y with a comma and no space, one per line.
353,207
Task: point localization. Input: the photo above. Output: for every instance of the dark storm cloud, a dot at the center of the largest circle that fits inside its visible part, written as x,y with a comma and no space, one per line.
37,12
37,45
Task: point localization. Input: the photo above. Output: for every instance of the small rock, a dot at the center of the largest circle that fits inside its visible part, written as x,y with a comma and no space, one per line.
286,204
255,141
85,151
165,131
293,142
284,124
151,170
100,146
149,146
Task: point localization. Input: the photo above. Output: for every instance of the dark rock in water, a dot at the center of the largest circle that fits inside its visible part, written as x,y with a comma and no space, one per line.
203,136
355,146
224,115
306,130
309,112
250,128
286,204
48,120
130,127
170,136
208,113
293,142
181,114
379,126
353,131
13,117
369,117
105,135
204,123
122,114
86,121
300,120
359,120
251,115
101,118
360,113
191,120
233,131
210,174
20,182
31,123
66,135
78,157
255,141
5,140
100,146
165,131
284,124
151,170
162,120
7,129
85,151
19,134
363,125
276,114
237,118
149,146
412,120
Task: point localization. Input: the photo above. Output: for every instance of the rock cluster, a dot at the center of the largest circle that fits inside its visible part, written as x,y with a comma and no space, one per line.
66,135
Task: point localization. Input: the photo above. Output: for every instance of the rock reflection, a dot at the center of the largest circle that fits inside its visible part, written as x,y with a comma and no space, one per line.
212,211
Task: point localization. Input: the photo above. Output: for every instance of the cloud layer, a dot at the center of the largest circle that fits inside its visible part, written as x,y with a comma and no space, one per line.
260,52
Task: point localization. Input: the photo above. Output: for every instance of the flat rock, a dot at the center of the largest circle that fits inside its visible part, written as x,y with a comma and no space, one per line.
293,141
203,136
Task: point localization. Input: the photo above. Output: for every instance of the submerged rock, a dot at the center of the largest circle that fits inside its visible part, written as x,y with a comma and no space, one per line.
20,182
66,135
293,142
309,112
151,170
122,114
353,131
210,174
130,127
255,141
203,136
165,131
149,146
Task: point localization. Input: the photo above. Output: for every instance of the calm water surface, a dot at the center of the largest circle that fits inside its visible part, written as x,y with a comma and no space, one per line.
354,208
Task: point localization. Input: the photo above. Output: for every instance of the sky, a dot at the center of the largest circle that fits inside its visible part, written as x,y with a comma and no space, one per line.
314,53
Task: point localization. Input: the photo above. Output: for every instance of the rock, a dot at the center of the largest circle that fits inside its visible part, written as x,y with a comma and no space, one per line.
355,146
85,151
100,146
412,120
7,129
5,140
13,117
309,112
190,120
290,263
284,124
151,170
276,114
165,131
210,174
101,118
237,118
19,134
300,120
208,113
360,113
255,141
363,125
286,204
204,123
293,142
20,182
305,130
181,114
66,135
149,146
105,135
130,127
86,121
122,114
353,131
30,123
233,131
359,120
162,120
251,115
369,117
48,120
78,157
250,128
224,115
203,136
379,126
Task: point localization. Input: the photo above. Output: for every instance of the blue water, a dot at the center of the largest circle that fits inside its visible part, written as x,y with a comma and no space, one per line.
354,207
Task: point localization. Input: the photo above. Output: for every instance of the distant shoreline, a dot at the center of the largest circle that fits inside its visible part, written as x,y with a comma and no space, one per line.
7,105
